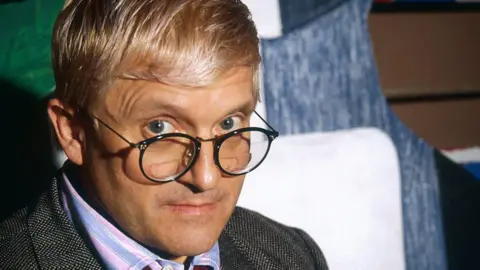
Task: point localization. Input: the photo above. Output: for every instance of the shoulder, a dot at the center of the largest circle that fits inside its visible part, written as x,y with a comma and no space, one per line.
276,241
13,225
15,242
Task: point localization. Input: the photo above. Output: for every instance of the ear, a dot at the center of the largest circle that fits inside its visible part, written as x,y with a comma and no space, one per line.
69,132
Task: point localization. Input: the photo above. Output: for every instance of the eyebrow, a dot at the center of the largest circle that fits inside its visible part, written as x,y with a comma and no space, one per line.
246,107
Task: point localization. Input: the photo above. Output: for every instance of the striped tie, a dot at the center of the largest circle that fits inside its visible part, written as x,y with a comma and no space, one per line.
202,267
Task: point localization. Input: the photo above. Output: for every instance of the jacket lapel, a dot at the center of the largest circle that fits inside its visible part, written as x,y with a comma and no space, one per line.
238,254
55,240
231,257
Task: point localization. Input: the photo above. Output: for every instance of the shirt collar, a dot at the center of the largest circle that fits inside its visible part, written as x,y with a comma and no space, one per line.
115,249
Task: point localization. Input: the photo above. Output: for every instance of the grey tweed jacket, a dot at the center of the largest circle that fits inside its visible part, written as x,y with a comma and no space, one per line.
40,236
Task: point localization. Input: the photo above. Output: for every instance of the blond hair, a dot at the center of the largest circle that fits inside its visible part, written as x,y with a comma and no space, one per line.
177,42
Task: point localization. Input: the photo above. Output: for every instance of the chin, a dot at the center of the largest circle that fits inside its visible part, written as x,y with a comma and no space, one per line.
187,234
186,238
194,249
192,244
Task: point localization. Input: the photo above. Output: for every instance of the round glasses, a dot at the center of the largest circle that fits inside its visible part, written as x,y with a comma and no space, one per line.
167,157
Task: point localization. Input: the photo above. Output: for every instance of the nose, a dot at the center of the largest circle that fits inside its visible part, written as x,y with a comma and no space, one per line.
204,174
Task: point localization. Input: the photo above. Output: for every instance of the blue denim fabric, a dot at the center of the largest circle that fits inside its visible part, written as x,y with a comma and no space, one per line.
321,77
294,14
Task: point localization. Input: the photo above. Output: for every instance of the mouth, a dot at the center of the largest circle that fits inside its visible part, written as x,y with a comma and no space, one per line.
194,209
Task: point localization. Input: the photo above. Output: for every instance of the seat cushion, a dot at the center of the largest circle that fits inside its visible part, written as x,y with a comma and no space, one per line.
343,188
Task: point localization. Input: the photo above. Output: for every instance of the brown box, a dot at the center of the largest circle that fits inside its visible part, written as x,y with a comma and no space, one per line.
444,124
425,54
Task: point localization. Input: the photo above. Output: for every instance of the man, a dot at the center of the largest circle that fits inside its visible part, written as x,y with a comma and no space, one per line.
152,108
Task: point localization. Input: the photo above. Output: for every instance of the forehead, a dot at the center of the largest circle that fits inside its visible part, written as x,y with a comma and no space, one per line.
232,89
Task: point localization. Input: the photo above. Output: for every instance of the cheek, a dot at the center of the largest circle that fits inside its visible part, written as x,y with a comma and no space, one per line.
234,185
131,167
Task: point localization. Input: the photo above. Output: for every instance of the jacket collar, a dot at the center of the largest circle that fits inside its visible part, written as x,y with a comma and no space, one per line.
55,239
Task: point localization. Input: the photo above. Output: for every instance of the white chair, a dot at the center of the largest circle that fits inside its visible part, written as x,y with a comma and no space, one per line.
343,188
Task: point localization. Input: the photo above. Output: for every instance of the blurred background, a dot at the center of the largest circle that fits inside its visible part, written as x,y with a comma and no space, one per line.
428,60
26,81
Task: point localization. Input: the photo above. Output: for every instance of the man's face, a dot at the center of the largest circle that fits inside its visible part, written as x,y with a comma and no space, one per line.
183,217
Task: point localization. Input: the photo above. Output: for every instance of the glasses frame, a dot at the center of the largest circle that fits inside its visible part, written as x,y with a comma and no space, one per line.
271,134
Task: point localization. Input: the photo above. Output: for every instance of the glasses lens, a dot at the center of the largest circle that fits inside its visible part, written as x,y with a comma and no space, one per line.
243,152
165,159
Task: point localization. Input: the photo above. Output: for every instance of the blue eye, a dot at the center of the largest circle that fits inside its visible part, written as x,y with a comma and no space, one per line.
230,123
158,127
227,124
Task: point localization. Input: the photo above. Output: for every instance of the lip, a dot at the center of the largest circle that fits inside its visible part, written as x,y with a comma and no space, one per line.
192,208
